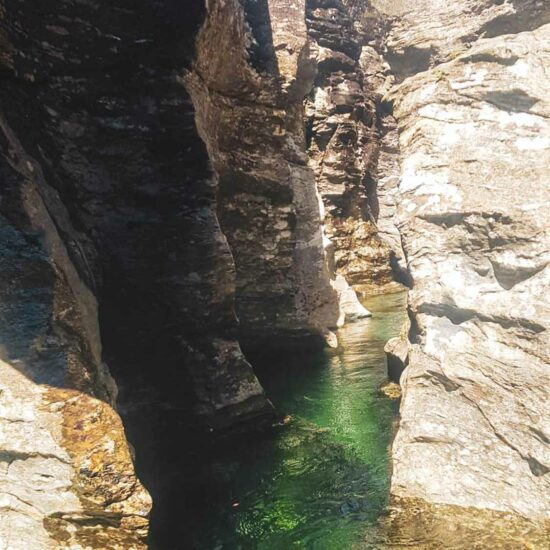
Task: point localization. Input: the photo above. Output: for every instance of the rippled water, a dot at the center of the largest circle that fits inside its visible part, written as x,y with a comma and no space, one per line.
319,481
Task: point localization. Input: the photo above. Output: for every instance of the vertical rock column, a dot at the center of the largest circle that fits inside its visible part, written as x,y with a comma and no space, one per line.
344,139
254,66
115,135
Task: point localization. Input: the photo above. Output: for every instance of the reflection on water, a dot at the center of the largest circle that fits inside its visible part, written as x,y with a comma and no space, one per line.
330,466
322,480
319,481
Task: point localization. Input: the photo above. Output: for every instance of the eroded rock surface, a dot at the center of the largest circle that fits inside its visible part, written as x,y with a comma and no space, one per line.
344,126
183,206
250,113
474,196
60,493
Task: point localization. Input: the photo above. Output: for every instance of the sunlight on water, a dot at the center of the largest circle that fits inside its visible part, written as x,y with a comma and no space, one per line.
322,480
324,477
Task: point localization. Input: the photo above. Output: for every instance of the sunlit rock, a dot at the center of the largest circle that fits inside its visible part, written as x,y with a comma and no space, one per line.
473,198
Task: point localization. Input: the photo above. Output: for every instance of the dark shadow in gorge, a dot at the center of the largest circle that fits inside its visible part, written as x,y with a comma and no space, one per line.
161,311
320,477
323,477
102,112
261,50
117,140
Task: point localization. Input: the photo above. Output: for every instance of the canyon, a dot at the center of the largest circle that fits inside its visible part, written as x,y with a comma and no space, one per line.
185,188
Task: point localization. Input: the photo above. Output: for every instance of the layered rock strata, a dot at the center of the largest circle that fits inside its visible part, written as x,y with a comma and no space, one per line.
114,134
119,223
250,113
105,173
473,198
344,125
106,198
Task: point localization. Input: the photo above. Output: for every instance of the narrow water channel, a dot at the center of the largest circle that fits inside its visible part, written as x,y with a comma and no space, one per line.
321,480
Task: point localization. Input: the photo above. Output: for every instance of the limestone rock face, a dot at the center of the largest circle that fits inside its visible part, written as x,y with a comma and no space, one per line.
343,126
430,32
255,64
473,216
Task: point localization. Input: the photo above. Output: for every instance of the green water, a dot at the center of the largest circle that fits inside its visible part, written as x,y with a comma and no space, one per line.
322,480
319,482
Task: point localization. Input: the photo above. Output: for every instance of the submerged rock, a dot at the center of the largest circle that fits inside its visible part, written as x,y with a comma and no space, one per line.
391,390
413,523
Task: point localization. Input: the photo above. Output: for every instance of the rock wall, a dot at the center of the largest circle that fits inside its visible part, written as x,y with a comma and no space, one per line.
114,133
105,175
158,205
109,233
67,477
472,109
344,126
255,64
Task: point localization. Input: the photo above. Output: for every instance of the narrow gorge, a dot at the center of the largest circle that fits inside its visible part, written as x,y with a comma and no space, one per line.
274,274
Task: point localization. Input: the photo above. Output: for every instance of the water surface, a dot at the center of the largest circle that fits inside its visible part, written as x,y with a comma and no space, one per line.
322,479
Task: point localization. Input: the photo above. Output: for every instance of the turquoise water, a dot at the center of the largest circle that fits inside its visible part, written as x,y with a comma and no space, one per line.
321,480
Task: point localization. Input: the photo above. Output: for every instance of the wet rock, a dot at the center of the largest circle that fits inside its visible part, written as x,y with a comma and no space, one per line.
351,307
391,390
416,523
